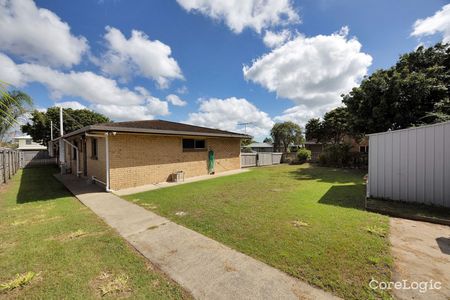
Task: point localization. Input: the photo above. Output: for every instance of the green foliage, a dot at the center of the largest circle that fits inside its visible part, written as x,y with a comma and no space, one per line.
337,155
39,128
303,155
413,92
286,134
314,130
335,124
13,104
268,140
333,128
246,142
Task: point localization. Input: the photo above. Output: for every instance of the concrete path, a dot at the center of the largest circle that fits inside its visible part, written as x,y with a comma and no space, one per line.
421,253
204,267
149,187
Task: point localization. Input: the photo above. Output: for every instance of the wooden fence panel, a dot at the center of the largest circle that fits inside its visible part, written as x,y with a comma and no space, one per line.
276,158
248,160
264,158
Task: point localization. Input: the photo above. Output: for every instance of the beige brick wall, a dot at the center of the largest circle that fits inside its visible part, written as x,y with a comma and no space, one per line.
96,167
143,159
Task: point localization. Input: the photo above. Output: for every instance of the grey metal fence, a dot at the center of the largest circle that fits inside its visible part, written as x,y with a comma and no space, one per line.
9,164
411,165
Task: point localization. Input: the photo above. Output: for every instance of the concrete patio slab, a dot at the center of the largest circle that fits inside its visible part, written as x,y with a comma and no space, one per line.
203,266
150,187
421,253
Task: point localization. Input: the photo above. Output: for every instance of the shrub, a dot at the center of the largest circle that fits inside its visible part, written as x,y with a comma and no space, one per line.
303,155
338,155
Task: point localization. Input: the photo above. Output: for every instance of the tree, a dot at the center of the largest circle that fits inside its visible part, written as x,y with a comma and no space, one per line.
39,128
333,128
413,92
246,142
286,134
268,140
13,104
314,130
335,125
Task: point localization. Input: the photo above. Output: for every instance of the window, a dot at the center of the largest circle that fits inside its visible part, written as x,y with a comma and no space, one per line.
94,149
191,144
364,149
28,142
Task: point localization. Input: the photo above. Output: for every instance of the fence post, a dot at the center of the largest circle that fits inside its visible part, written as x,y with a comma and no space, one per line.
9,165
4,166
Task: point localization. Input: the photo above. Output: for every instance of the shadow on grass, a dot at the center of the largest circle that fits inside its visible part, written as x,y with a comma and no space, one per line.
349,196
38,184
409,210
329,175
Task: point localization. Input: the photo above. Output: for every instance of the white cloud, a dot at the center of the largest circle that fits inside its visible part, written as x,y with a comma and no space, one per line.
70,104
87,85
37,34
182,90
238,14
9,72
227,114
438,23
138,54
274,39
300,114
312,71
103,94
152,108
175,100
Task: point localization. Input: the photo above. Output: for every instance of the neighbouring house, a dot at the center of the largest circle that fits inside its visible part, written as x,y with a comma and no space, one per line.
260,147
316,148
31,153
411,165
129,154
26,144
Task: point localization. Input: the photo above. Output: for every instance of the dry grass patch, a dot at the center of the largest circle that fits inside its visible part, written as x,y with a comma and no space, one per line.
381,232
18,281
112,285
297,223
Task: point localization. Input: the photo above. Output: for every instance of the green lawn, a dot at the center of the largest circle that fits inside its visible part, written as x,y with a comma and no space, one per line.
305,220
70,251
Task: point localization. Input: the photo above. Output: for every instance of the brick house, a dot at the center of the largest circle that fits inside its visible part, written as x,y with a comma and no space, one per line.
129,154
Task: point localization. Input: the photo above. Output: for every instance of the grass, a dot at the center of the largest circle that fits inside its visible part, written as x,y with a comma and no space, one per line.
53,247
305,220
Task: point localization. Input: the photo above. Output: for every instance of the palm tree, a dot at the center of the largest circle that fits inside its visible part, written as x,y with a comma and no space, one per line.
13,104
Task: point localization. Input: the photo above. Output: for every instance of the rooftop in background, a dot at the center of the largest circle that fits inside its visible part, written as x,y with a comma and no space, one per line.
26,143
260,145
159,127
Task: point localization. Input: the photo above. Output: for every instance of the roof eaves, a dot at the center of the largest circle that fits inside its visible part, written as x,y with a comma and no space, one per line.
152,131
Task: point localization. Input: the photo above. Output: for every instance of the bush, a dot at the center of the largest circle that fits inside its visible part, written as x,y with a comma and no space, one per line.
303,155
338,155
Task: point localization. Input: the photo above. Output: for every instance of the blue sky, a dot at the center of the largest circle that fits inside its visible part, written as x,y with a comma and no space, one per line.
221,64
